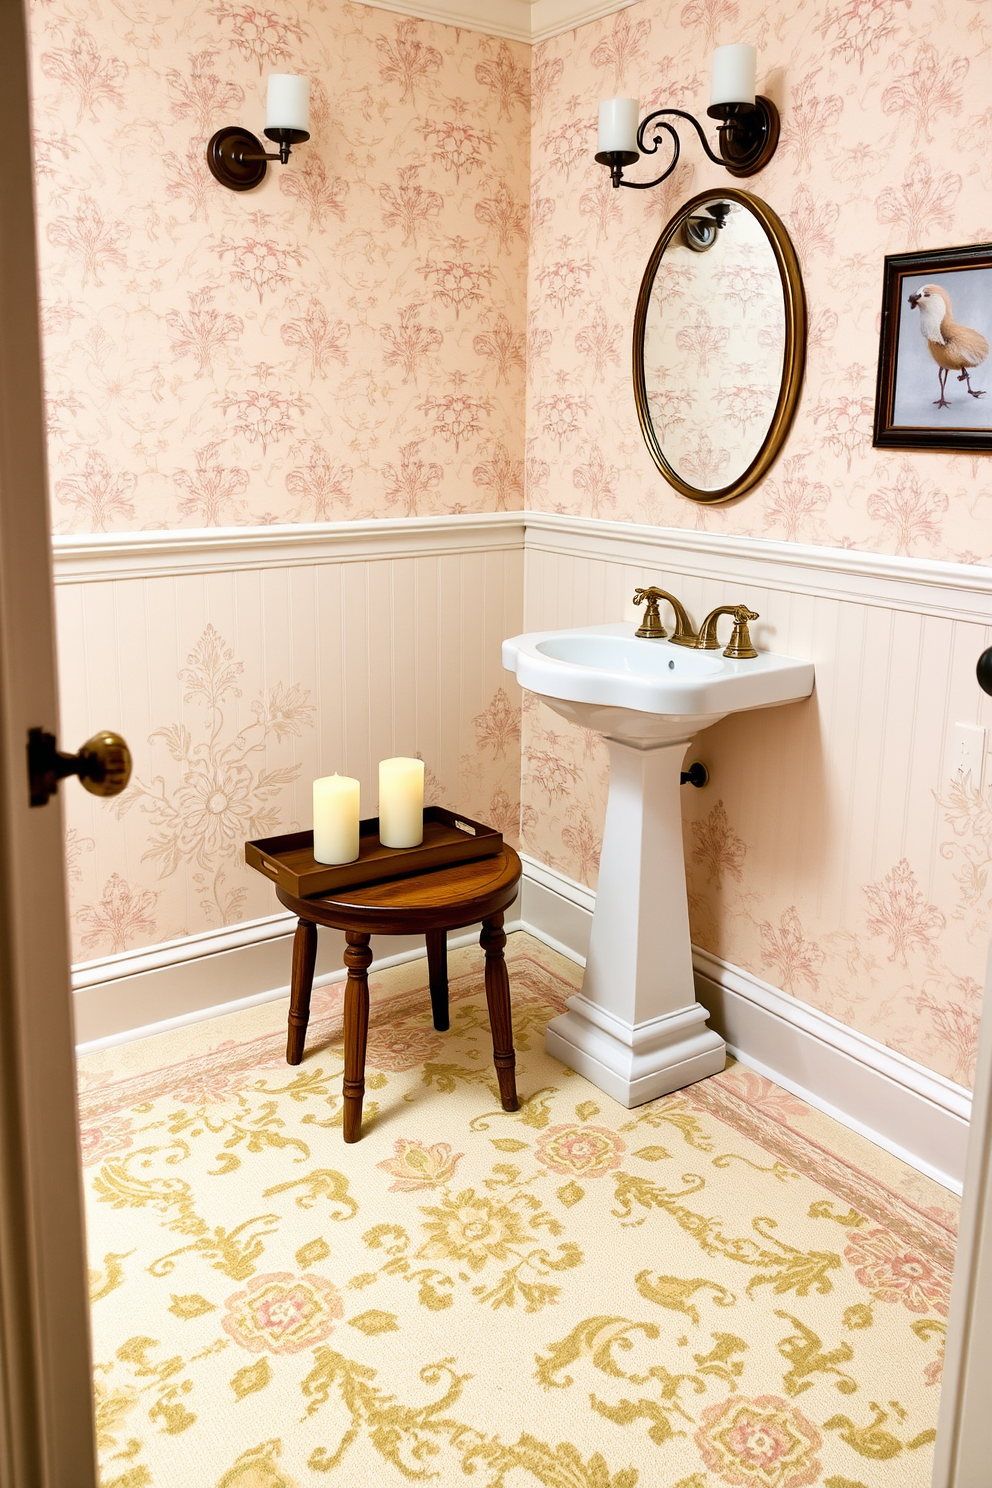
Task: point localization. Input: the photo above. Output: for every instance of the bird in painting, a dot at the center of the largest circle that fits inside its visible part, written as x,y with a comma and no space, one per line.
955,348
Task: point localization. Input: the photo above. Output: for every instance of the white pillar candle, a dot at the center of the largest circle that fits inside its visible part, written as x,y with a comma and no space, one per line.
287,104
401,802
618,119
735,71
335,819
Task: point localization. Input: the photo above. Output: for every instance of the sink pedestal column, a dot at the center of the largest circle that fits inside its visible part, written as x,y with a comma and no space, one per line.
636,1030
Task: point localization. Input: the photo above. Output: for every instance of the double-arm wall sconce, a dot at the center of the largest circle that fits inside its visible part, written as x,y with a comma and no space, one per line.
748,133
236,157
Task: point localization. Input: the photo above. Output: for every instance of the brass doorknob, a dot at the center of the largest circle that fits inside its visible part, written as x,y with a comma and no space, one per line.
103,765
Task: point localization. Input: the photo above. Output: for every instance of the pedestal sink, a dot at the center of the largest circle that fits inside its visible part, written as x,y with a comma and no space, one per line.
636,1030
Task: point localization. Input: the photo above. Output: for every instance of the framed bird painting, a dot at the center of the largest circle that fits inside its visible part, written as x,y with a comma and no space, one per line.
934,386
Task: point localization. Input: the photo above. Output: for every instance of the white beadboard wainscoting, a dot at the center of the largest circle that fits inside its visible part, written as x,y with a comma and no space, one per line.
452,588
823,801
243,665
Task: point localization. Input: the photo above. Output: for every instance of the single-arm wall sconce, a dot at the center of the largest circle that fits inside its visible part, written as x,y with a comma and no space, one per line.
699,233
236,157
748,133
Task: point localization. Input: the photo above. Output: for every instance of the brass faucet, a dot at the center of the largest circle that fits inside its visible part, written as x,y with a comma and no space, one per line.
652,629
739,645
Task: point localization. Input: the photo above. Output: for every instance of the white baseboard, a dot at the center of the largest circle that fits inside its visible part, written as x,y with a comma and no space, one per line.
913,1113
556,909
919,1116
137,994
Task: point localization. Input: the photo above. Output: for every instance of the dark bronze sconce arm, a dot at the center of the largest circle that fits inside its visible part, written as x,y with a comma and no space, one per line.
748,138
237,160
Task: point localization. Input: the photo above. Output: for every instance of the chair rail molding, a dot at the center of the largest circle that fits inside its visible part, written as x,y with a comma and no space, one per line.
97,557
929,585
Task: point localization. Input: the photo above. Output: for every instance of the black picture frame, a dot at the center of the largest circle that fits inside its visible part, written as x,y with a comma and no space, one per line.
900,340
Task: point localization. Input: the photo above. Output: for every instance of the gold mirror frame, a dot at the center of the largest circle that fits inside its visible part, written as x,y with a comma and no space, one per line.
794,356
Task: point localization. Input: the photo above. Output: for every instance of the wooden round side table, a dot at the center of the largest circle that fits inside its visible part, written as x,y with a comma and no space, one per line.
428,904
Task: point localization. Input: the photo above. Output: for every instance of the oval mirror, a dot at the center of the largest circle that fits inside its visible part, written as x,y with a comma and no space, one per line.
719,344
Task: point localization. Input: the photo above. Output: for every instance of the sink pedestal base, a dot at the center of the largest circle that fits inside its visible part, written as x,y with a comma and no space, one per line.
636,1030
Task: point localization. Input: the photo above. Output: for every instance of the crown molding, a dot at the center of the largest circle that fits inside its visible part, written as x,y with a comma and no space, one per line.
529,21
509,18
555,17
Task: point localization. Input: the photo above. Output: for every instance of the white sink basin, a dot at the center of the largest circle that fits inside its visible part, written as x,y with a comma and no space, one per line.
636,1029
647,692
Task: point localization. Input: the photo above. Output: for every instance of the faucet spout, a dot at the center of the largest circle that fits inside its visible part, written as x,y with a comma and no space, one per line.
652,629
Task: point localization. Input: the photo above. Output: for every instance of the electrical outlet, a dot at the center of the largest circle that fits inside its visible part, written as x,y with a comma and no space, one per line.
968,752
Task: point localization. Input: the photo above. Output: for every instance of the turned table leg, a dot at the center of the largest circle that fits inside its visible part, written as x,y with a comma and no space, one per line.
437,965
492,940
358,959
304,957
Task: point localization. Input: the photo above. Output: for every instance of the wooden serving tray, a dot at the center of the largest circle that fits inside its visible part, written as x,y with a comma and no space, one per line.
448,838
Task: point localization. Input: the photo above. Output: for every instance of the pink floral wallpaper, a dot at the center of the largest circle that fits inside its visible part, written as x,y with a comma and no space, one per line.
351,340
901,968
345,341
886,131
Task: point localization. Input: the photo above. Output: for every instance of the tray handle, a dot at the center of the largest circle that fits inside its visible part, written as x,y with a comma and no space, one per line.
269,868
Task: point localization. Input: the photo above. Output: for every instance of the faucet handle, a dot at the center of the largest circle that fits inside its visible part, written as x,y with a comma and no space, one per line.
739,646
652,629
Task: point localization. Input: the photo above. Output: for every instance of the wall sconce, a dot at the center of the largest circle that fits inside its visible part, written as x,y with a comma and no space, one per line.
699,233
748,133
236,158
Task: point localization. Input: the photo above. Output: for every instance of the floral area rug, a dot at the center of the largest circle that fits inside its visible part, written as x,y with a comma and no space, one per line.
720,1287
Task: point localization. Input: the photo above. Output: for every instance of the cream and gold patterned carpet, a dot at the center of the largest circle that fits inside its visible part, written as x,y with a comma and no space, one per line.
720,1288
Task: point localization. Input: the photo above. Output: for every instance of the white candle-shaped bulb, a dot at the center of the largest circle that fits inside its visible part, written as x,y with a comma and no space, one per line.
401,802
287,104
618,118
335,819
735,72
